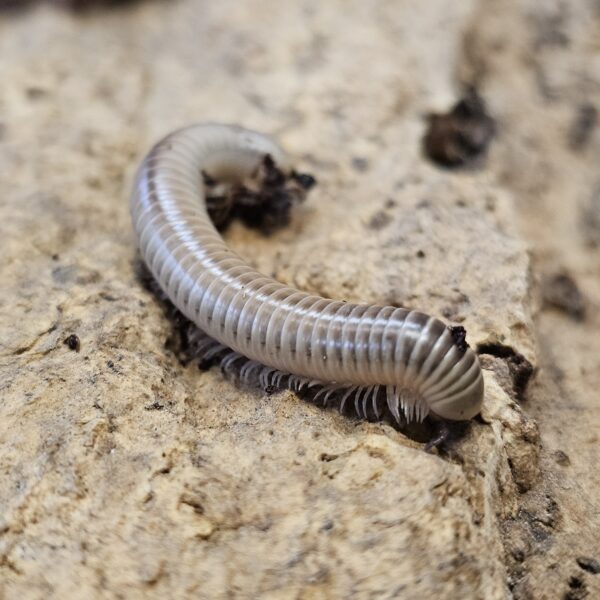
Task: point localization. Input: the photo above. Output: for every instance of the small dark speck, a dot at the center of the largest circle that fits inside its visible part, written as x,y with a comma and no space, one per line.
73,342
304,180
325,457
55,257
379,220
111,365
591,565
575,582
420,254
360,164
35,93
154,406
562,458
589,219
327,526
518,555
583,126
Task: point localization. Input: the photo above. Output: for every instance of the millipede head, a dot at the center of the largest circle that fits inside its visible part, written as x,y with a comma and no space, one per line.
462,396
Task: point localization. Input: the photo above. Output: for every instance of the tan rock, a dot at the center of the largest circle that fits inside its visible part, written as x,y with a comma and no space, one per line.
125,474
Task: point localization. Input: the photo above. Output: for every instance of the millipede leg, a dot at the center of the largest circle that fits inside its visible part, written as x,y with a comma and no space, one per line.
374,402
393,401
345,397
365,400
441,435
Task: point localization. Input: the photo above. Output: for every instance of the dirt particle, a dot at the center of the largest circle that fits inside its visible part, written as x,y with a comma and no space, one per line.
460,136
560,291
583,125
263,201
154,406
35,93
304,180
589,219
379,220
73,342
577,589
562,458
360,164
591,565
327,525
111,365
325,457
518,554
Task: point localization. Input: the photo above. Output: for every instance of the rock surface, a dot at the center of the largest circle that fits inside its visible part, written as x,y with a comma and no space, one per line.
125,474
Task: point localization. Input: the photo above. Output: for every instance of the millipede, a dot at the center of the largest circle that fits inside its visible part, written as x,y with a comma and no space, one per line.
368,356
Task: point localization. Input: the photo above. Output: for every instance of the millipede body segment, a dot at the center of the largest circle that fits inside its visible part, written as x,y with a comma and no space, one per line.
360,351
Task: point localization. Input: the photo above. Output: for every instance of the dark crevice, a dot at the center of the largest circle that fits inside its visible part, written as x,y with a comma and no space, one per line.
519,367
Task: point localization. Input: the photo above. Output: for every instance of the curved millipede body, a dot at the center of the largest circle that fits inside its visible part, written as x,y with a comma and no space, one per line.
361,351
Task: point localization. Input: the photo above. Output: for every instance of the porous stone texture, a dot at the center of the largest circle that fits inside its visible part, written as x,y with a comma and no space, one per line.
124,474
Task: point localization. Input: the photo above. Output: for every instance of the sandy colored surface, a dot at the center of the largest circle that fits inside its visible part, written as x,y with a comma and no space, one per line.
124,474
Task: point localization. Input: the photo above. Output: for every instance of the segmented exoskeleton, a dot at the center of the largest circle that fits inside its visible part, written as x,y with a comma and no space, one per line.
281,334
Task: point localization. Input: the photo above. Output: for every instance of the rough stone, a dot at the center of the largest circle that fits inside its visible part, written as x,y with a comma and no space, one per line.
126,474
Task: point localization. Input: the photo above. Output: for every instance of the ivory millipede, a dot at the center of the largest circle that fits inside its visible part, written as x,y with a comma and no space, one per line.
281,334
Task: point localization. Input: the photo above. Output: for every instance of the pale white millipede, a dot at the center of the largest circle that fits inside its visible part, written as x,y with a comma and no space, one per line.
415,363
